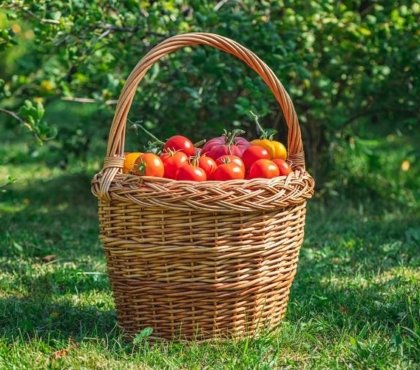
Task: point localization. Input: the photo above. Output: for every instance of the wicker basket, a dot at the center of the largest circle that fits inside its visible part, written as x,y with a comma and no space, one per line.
201,260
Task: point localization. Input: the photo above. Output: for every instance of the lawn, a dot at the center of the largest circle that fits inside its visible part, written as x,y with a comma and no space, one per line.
354,302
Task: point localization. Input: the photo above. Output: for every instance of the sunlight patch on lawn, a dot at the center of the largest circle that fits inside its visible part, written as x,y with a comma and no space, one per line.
393,276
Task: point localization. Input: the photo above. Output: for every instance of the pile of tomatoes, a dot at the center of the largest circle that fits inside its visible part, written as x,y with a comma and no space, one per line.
228,157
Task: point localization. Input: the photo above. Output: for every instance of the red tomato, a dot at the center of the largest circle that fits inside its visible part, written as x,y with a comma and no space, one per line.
228,171
284,167
149,164
263,168
229,159
208,165
179,143
172,162
254,153
191,173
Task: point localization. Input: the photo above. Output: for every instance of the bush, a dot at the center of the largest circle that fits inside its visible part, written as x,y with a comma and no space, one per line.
350,68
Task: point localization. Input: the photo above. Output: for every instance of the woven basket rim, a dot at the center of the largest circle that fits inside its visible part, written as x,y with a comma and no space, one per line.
211,196
298,173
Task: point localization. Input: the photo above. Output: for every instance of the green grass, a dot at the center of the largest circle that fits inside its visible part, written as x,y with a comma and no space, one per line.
354,302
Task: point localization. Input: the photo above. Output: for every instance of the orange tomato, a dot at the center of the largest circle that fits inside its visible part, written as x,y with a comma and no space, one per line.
149,164
129,160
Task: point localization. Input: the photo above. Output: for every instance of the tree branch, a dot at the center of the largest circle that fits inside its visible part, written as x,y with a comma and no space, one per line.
17,117
33,15
112,28
89,101
220,4
13,114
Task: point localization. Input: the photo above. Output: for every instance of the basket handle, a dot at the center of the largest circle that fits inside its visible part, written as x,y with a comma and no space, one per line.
115,153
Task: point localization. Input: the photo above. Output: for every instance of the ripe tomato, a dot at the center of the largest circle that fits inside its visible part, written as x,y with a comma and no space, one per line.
172,162
275,148
191,173
284,167
263,168
229,159
179,143
208,165
130,160
227,144
149,164
254,153
280,150
228,171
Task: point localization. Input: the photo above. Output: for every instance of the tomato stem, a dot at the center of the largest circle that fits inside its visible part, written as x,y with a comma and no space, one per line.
231,136
142,168
151,135
154,147
200,143
264,133
194,159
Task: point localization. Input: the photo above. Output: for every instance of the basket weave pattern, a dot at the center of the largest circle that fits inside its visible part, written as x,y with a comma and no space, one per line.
201,260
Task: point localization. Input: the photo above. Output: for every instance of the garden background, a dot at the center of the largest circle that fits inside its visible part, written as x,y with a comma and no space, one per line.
352,70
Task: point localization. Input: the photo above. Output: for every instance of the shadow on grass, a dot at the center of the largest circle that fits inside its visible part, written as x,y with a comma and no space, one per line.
32,317
57,216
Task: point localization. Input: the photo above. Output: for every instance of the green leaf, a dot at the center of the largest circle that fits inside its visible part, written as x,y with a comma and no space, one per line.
143,335
364,31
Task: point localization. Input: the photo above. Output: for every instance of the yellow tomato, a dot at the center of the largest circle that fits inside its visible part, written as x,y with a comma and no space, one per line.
274,148
280,151
129,160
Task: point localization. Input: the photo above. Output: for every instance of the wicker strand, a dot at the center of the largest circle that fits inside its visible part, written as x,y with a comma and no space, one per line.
220,196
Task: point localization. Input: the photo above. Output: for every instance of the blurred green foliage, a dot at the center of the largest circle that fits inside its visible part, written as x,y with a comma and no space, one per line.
351,68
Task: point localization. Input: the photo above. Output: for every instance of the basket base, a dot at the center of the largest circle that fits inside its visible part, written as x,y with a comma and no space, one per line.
176,314
200,275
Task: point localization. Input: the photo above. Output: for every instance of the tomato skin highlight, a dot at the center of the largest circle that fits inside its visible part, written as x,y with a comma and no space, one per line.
149,164
208,165
253,154
228,171
179,143
283,166
189,172
172,162
263,168
231,159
